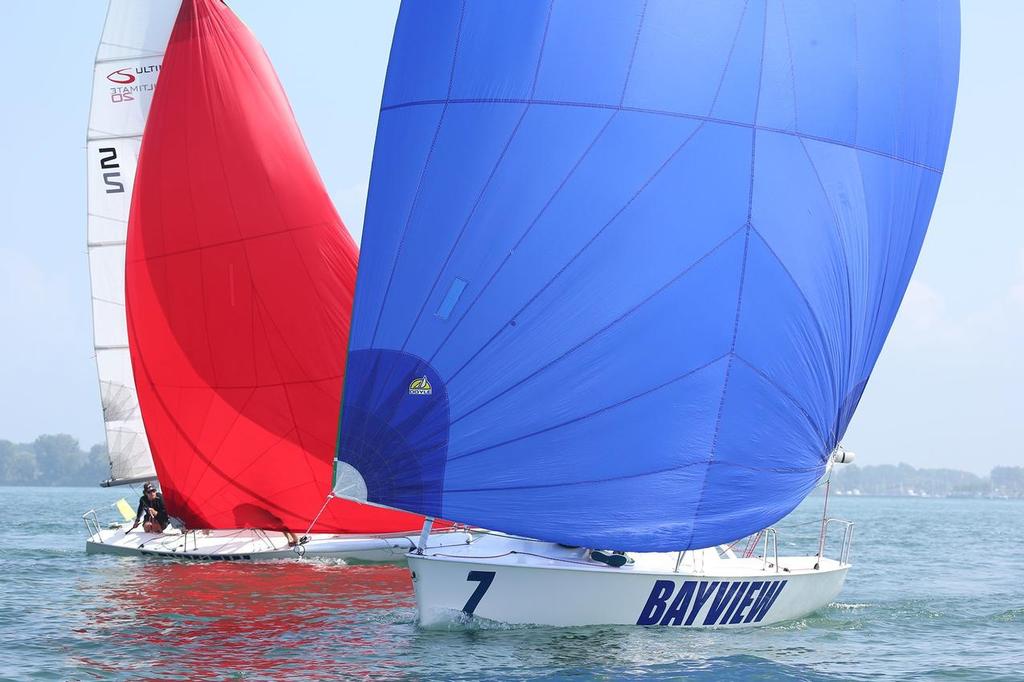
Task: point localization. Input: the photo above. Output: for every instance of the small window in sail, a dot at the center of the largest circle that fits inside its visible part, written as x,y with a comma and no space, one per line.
451,298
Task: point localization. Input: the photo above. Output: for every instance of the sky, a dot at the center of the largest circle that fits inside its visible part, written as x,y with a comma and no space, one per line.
947,389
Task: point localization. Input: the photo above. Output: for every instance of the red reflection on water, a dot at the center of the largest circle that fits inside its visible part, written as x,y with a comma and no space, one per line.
181,620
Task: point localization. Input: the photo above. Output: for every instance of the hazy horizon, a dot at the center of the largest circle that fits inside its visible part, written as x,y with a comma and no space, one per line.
945,392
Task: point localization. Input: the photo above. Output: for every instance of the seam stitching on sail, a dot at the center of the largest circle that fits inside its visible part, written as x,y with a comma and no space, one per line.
268,92
654,294
487,182
615,216
229,242
194,21
692,134
632,55
835,217
883,283
786,394
526,233
743,276
476,204
680,467
718,89
423,174
593,413
846,270
674,114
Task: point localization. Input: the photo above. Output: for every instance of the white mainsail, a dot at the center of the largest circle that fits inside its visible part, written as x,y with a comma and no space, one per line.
128,62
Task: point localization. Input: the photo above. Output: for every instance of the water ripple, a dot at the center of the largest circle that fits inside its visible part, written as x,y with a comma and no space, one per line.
904,614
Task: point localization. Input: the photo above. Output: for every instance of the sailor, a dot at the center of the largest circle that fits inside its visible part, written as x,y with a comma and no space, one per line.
151,513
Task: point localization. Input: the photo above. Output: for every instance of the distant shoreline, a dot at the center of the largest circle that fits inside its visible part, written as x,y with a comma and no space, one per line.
903,480
57,460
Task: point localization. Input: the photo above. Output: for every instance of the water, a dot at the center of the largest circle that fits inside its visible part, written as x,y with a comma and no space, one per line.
937,591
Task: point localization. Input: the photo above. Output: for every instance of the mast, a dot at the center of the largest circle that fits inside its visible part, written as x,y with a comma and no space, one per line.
124,77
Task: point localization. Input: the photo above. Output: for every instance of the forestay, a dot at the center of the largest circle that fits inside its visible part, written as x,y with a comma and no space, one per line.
127,66
627,266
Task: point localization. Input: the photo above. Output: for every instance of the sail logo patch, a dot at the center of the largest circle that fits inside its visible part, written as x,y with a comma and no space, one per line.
122,76
420,386
131,82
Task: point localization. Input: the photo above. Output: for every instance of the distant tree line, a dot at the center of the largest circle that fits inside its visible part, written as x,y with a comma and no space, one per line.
52,460
903,479
59,460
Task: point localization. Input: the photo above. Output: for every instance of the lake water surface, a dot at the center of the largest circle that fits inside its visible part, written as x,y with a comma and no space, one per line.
936,592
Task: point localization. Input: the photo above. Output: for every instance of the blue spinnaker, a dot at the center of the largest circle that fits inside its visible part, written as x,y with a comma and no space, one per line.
627,266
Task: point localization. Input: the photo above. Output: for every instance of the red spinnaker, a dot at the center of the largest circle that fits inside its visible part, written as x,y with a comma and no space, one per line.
239,287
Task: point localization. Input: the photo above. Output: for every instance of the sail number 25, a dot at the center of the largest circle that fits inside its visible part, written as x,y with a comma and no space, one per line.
484,578
112,175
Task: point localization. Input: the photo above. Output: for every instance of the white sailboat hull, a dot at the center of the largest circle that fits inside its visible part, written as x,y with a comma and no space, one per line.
259,545
516,581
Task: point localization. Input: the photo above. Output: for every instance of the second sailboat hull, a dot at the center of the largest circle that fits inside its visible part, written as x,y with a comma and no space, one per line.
258,545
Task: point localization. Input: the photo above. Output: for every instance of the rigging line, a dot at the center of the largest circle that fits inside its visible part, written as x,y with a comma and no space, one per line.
327,501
